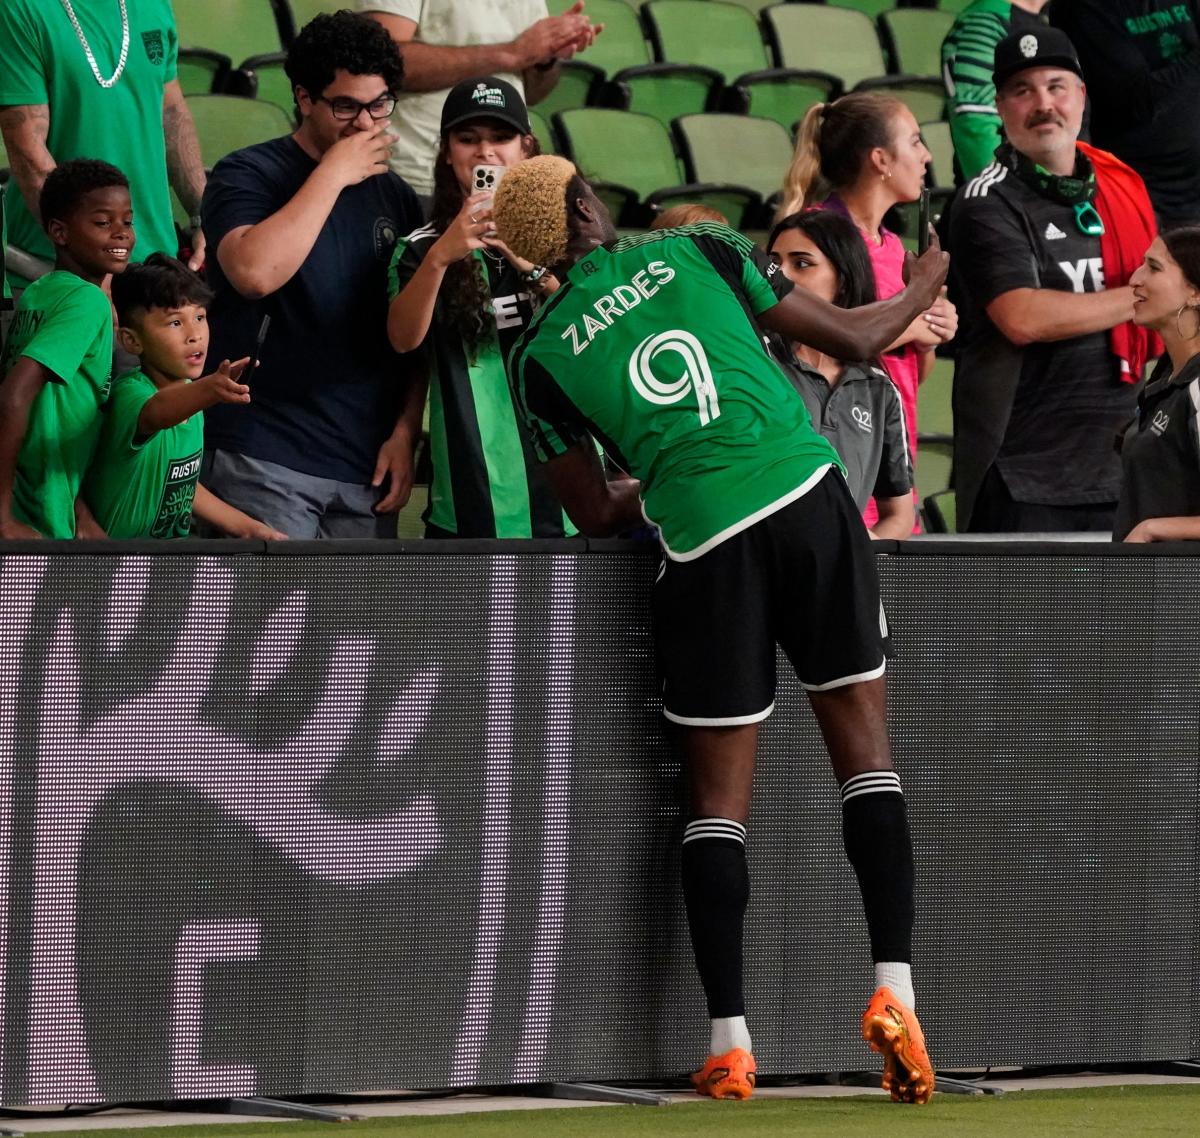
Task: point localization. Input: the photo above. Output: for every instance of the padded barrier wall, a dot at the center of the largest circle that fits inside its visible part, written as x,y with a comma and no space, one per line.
310,823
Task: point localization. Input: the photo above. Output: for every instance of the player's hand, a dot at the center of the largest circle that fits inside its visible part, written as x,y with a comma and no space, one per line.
466,232
13,530
926,274
359,156
223,383
260,531
942,319
196,260
396,467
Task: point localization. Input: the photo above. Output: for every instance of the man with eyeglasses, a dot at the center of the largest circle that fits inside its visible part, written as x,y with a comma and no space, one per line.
303,228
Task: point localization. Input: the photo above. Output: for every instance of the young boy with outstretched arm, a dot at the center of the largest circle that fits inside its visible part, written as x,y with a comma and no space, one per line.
57,363
144,478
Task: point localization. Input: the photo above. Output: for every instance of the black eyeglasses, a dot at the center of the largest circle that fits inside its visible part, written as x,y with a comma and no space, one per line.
347,110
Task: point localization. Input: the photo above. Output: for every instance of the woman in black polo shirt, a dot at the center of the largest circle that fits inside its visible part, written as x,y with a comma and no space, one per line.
1160,451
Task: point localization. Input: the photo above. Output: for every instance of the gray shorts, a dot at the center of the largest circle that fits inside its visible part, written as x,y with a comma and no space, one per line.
301,505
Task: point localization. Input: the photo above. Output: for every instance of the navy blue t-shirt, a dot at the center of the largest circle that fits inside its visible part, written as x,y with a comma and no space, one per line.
328,389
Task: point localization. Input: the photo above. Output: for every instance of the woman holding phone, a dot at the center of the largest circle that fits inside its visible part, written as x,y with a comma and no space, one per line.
462,297
859,156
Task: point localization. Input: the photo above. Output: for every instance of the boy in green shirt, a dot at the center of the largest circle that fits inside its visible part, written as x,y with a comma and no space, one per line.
57,362
143,481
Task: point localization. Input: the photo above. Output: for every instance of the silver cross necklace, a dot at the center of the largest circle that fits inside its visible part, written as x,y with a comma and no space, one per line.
87,49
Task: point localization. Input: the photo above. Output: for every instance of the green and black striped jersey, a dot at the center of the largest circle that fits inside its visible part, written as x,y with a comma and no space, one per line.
486,481
968,56
652,348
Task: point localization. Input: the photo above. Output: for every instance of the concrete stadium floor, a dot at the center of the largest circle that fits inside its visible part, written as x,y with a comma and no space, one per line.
386,1106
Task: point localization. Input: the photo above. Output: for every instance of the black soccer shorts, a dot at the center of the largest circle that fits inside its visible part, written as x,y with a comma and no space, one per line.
804,578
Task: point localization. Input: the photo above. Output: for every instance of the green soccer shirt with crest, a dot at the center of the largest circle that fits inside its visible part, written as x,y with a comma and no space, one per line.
65,324
143,487
651,347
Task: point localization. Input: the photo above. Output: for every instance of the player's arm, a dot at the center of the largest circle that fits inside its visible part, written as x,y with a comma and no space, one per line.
1165,529
1042,315
860,333
433,67
86,526
25,130
230,520
175,404
598,507
20,388
396,461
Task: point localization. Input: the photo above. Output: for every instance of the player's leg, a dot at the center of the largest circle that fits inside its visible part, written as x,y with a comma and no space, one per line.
716,889
834,635
717,659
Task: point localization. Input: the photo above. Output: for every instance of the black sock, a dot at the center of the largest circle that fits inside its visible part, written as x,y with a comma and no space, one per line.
716,888
875,834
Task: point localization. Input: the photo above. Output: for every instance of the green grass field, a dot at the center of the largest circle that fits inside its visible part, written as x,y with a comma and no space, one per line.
1111,1112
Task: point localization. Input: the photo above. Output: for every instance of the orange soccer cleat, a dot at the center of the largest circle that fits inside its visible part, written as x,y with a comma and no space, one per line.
726,1076
892,1030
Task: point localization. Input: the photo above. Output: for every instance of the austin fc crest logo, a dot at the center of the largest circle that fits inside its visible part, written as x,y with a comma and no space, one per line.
153,42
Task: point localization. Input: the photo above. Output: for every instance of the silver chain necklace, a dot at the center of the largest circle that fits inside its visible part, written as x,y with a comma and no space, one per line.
87,49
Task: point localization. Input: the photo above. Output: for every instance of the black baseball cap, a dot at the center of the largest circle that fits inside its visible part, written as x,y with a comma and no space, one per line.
486,98
1026,48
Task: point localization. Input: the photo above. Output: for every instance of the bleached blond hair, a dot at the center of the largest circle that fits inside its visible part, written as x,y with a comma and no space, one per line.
530,209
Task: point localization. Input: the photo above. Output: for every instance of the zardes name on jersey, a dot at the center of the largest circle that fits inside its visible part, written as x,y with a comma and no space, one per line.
651,347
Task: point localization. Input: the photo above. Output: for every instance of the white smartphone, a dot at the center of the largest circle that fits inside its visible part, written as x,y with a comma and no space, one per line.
485,178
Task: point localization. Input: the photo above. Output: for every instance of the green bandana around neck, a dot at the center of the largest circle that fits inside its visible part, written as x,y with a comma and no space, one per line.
1078,190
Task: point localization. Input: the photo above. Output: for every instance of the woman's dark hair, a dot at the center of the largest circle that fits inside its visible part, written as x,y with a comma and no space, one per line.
66,185
464,296
842,244
159,282
1183,243
343,41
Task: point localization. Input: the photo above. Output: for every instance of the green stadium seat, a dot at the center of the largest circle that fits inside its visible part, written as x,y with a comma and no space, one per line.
763,148
709,33
935,415
926,98
301,11
785,95
914,37
664,90
814,37
264,78
869,8
935,465
631,162
754,6
941,516
236,28
542,132
955,6
225,123
201,72
622,43
578,82
941,146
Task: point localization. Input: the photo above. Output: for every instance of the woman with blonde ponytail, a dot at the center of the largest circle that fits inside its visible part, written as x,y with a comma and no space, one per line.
860,155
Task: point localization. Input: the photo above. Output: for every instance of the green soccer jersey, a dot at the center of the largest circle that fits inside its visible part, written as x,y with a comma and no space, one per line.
65,324
486,482
652,349
45,63
143,487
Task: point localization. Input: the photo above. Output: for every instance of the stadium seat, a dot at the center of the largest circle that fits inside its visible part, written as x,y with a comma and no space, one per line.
813,37
543,133
236,28
914,37
763,148
941,146
954,6
622,43
926,98
631,162
664,90
711,33
940,513
263,77
935,464
869,8
225,123
578,82
200,71
301,11
785,95
935,416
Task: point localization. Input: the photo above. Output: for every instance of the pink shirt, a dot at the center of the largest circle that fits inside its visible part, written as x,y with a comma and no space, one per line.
903,365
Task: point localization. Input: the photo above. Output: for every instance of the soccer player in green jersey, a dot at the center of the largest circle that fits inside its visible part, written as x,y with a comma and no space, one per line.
57,363
652,347
143,480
